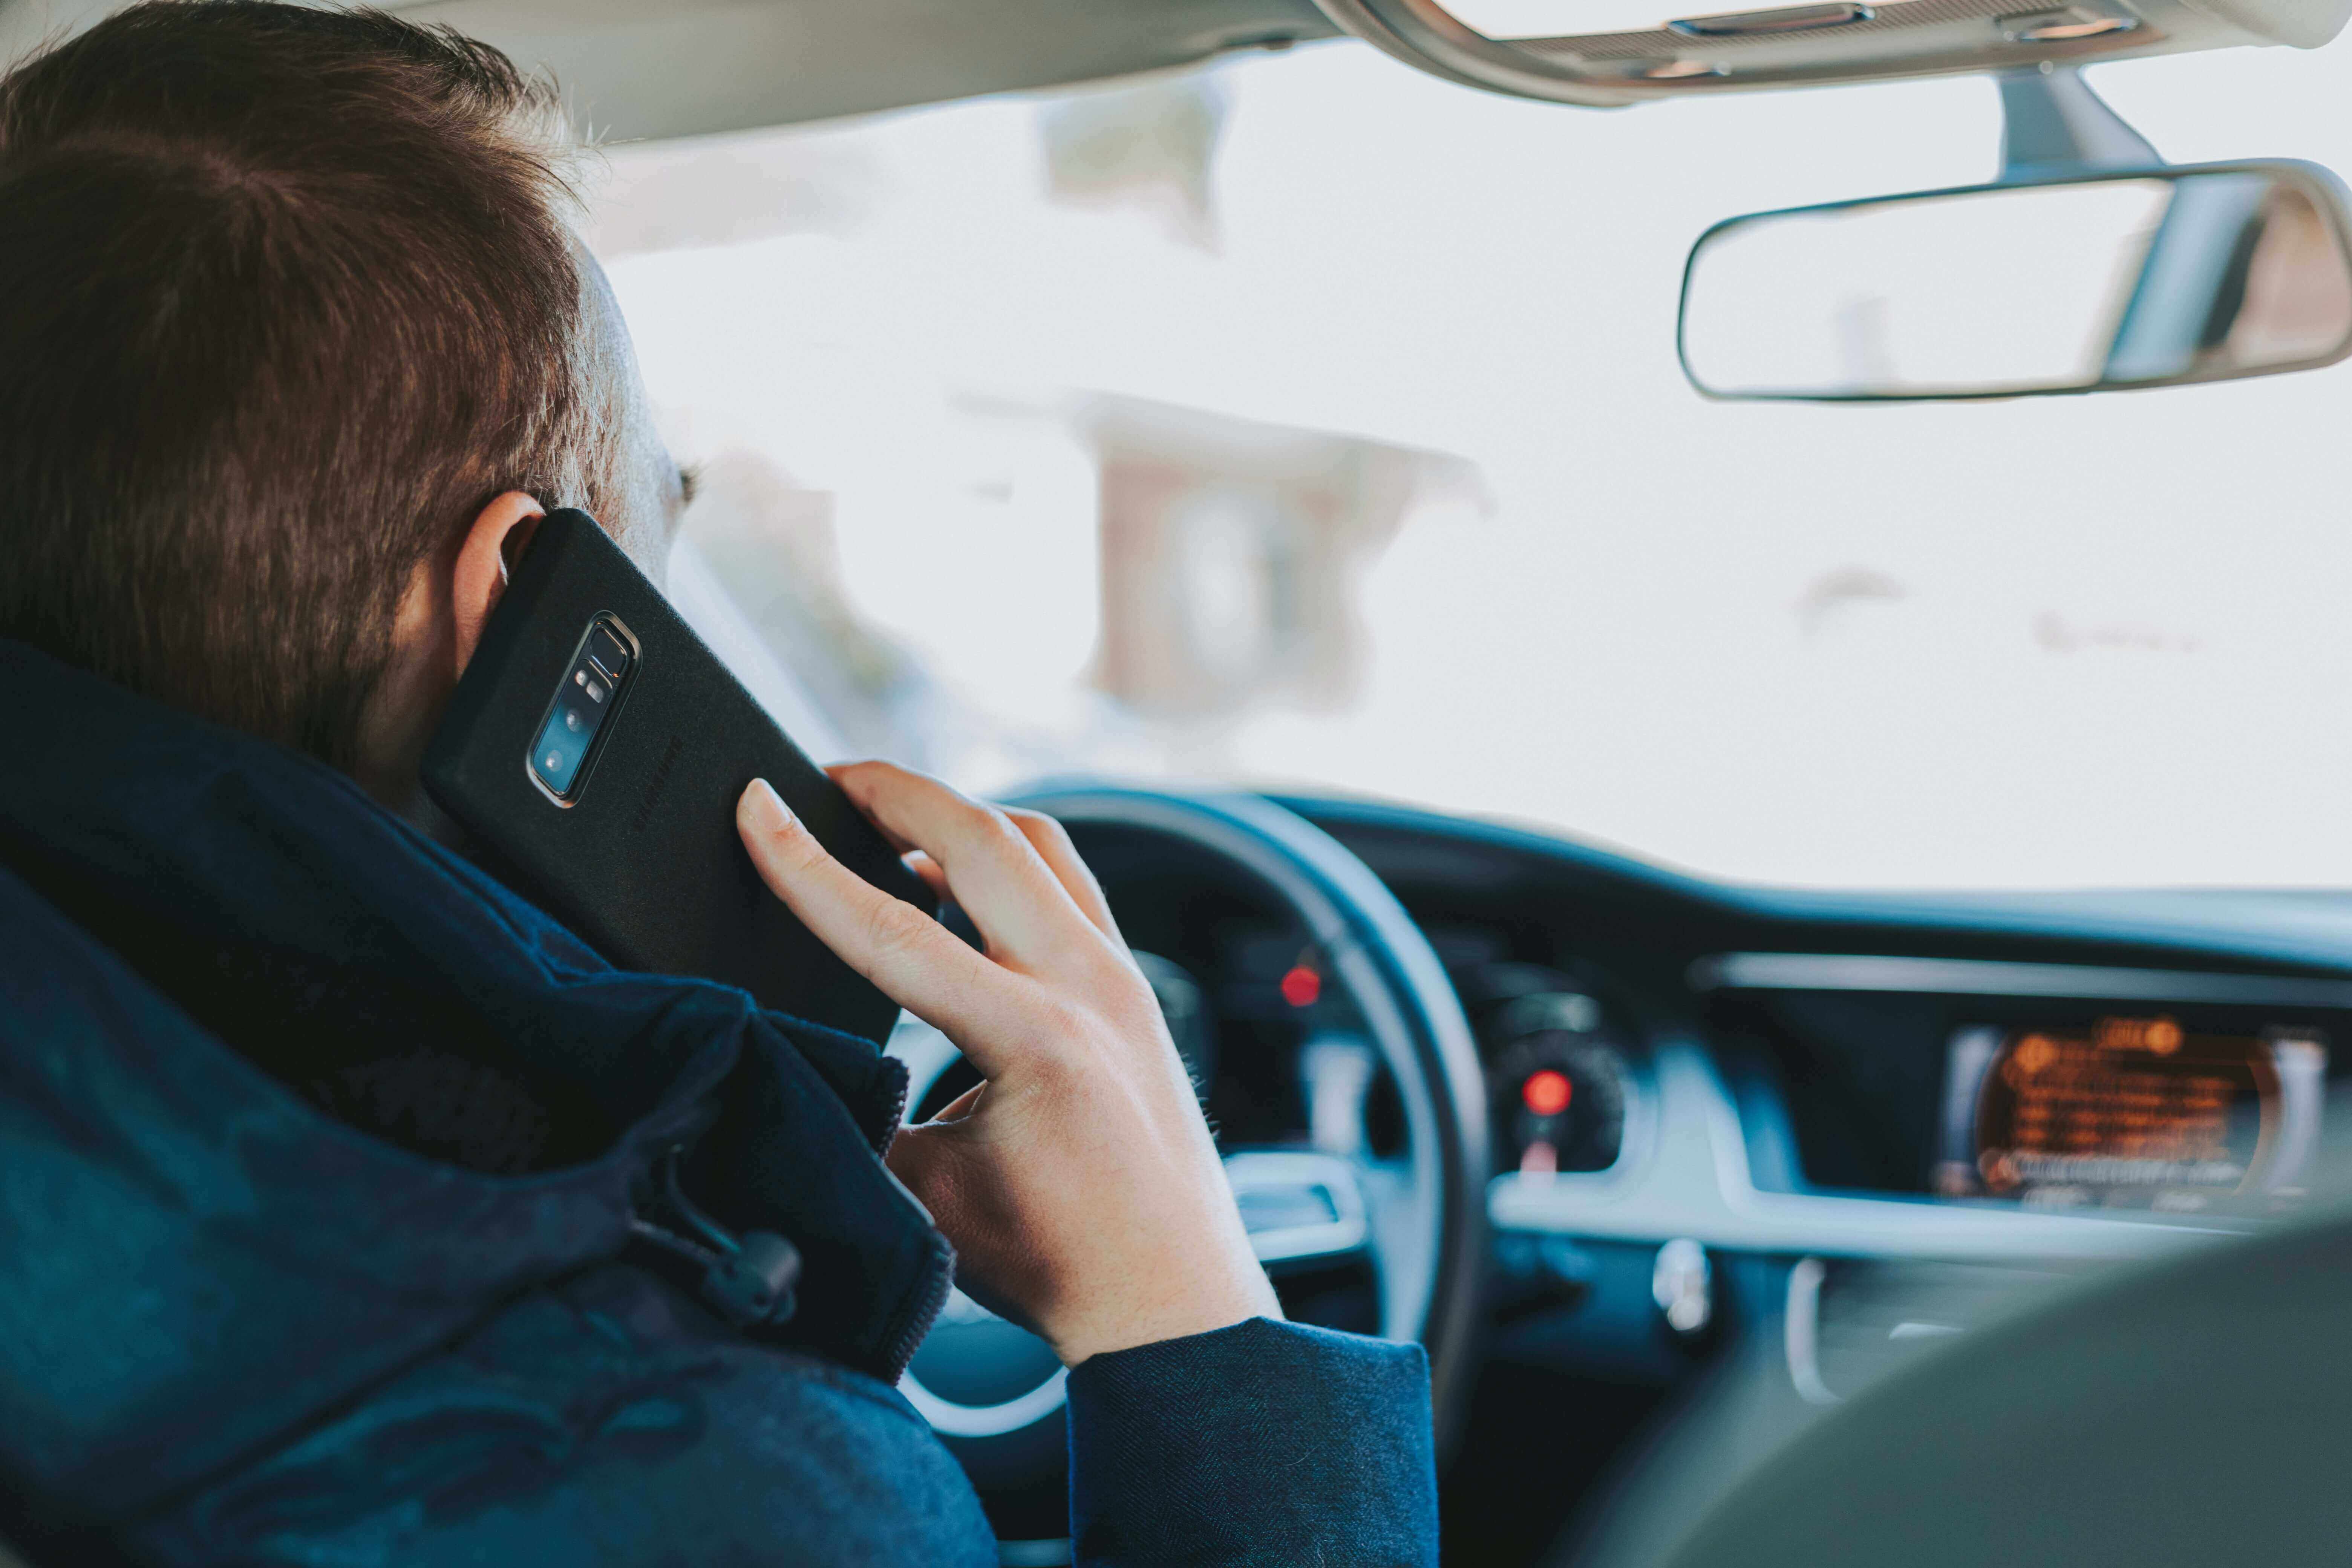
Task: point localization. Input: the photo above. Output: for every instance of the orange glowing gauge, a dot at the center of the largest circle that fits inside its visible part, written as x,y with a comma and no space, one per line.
2130,1112
1546,1093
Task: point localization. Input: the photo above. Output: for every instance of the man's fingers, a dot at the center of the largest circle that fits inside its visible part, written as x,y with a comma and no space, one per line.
929,870
1061,856
1028,917
916,961
961,1105
1044,834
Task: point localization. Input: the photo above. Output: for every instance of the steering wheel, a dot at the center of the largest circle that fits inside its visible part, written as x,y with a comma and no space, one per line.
1415,1214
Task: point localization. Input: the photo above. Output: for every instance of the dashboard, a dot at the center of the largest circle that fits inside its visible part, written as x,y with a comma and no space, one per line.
1810,1133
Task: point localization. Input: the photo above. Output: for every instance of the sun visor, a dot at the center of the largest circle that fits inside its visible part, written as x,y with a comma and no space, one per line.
647,69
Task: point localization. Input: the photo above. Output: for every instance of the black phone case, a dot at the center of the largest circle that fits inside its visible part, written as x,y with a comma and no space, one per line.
644,862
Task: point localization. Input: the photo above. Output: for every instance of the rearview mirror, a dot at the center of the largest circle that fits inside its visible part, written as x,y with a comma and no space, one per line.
2134,279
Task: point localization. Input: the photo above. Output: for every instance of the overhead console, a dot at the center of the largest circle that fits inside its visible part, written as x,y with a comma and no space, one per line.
1520,47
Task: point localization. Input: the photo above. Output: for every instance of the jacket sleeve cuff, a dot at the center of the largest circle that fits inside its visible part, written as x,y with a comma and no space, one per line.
1265,1442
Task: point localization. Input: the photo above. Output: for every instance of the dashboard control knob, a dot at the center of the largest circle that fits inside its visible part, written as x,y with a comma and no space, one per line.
1683,1285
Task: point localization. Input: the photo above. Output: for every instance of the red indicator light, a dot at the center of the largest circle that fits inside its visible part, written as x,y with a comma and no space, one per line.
1546,1092
1301,986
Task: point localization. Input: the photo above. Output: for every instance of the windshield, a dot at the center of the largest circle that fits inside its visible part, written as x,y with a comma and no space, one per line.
1303,421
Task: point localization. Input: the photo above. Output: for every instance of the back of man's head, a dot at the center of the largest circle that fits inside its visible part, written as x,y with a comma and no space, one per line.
284,297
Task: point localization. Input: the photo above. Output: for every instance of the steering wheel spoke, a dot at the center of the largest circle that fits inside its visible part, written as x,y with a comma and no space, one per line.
1298,1206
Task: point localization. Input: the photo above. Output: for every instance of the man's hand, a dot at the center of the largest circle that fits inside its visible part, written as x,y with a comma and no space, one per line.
1078,1182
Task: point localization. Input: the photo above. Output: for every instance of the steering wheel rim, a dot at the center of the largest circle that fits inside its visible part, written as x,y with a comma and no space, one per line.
1374,951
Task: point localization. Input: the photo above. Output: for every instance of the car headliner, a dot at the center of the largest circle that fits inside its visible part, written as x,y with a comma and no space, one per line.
644,70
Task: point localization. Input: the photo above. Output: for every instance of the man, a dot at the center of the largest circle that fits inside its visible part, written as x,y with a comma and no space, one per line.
342,1190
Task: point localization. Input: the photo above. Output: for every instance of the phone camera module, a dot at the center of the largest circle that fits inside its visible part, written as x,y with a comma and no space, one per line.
583,703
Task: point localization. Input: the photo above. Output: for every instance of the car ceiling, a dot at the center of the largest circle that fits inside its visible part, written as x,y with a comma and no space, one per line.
644,70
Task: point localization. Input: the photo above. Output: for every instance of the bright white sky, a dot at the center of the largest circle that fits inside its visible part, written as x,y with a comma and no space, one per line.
2105,641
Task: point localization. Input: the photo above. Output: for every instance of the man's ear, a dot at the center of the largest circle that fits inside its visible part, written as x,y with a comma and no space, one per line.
491,546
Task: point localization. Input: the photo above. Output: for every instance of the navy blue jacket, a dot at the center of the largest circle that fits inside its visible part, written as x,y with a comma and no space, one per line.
324,1164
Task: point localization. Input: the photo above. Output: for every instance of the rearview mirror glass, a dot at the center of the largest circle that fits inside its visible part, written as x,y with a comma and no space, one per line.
2146,278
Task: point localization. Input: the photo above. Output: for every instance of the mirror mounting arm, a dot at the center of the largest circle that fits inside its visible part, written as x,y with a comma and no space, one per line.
2052,124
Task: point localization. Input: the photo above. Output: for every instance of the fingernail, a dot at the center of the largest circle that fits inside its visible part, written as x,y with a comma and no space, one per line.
765,808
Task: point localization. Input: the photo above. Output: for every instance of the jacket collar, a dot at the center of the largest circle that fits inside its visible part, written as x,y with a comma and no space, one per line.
242,1004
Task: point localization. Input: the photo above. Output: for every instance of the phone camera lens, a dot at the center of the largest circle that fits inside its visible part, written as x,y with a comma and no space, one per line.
561,747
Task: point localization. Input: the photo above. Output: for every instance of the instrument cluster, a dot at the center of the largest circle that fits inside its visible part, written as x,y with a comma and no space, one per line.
1562,1072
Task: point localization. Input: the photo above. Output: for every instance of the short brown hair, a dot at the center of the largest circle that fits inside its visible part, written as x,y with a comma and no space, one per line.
286,296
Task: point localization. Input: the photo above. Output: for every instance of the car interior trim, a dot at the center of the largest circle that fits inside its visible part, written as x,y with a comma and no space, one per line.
1695,1183
1801,1322
1880,42
1981,977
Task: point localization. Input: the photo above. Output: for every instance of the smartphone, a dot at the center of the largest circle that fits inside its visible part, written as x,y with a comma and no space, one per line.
596,748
